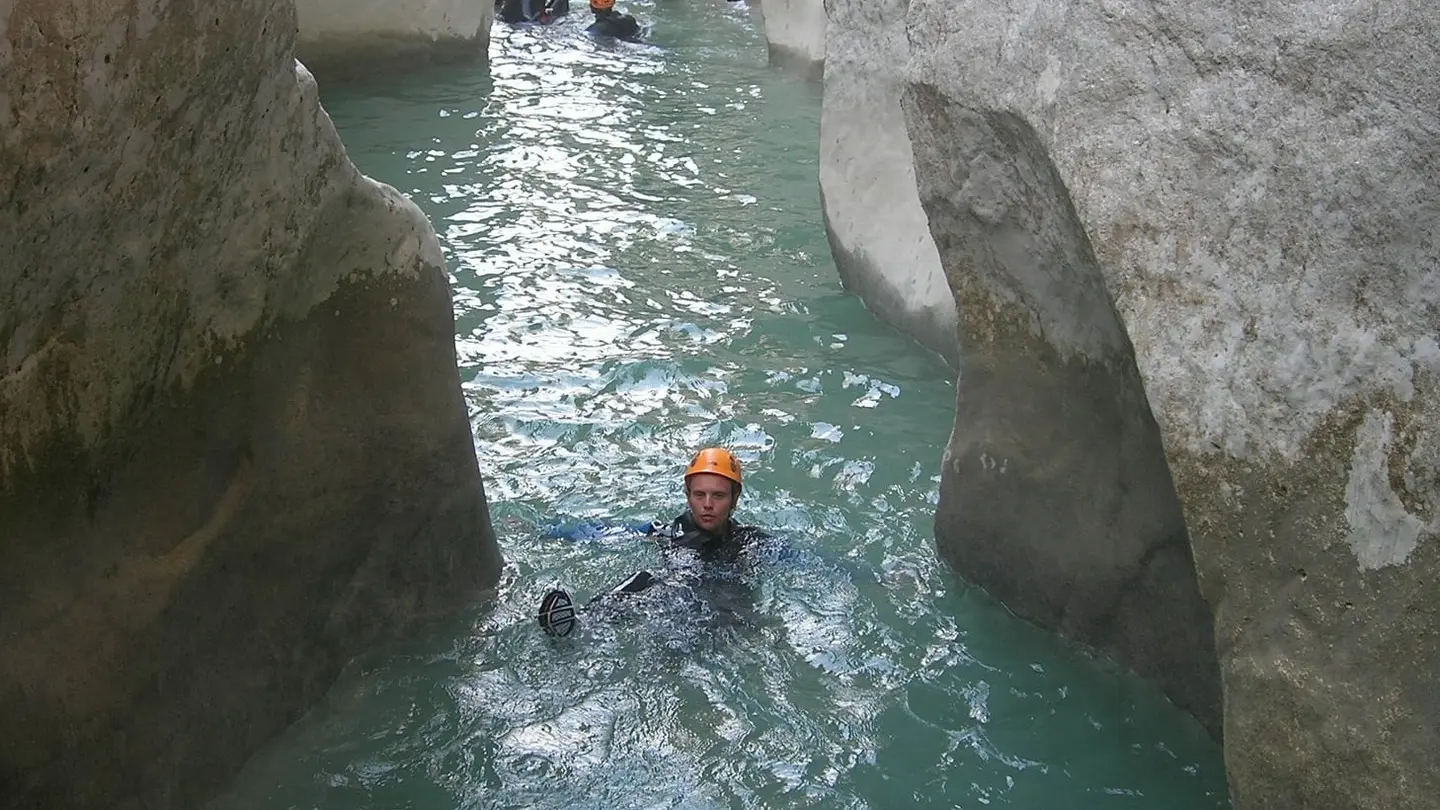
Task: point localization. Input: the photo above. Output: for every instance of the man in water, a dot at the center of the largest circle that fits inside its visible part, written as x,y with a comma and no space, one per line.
712,491
705,536
611,23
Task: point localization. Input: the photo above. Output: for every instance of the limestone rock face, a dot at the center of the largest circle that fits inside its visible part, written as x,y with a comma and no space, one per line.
878,234
1250,188
233,447
1055,495
348,36
795,31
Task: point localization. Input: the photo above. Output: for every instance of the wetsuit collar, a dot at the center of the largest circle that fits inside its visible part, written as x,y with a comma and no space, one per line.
688,525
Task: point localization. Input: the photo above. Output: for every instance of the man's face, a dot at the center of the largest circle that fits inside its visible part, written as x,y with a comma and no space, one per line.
710,500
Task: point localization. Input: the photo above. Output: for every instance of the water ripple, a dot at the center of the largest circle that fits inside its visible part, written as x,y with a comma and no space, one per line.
639,269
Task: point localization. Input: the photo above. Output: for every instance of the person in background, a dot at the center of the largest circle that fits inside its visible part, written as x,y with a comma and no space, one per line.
531,11
611,23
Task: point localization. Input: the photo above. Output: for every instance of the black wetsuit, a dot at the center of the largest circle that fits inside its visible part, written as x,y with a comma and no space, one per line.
710,568
611,23
693,554
541,11
683,533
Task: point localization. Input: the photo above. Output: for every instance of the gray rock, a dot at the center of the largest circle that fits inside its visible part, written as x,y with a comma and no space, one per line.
344,38
876,228
1256,188
233,448
1055,496
795,32
878,234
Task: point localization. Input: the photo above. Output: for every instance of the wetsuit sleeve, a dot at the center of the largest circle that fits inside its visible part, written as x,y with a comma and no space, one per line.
628,28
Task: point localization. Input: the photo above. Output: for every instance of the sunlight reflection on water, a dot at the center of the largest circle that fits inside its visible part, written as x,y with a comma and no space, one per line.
639,268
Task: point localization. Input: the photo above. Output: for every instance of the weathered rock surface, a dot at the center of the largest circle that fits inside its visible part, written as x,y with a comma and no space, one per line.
878,234
1254,189
795,32
1055,493
233,448
340,37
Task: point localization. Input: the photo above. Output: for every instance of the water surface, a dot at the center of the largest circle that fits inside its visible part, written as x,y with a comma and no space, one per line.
640,269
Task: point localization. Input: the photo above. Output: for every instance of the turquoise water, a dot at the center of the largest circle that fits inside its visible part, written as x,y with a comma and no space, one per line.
640,269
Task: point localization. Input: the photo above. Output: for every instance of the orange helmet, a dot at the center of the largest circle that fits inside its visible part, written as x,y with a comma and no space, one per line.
716,460
602,4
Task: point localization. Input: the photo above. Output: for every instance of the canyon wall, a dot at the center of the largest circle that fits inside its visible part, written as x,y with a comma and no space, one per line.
1194,259
233,448
878,234
338,38
795,31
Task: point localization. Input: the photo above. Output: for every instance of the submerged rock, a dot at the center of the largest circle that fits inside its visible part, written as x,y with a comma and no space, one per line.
233,447
1247,196
878,234
344,37
795,32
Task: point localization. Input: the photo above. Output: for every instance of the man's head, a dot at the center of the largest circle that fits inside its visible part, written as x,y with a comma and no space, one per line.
602,6
712,487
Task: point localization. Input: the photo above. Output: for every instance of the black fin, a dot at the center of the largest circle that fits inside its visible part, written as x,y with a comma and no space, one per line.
639,582
557,613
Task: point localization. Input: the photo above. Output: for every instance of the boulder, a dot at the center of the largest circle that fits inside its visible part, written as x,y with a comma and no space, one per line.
1245,196
341,38
878,235
795,32
233,448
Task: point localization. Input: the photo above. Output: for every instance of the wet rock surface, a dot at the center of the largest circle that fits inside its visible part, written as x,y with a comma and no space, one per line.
346,39
878,233
233,449
1055,493
1256,190
795,30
